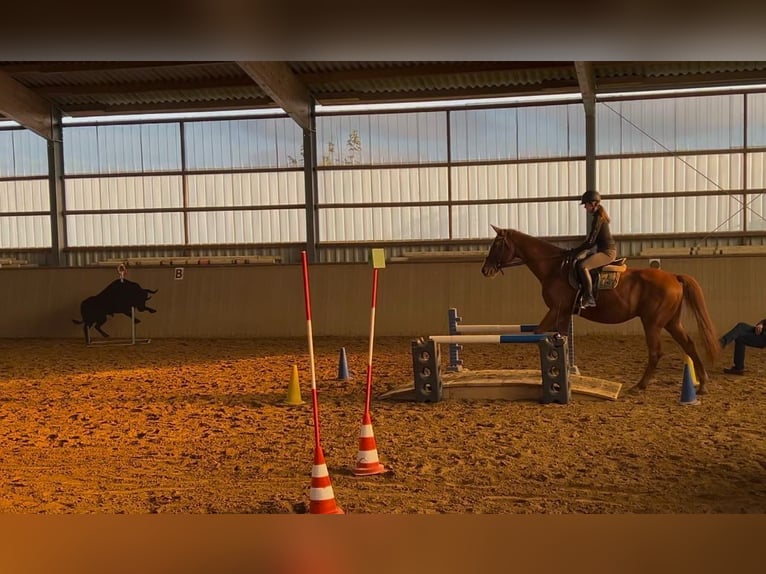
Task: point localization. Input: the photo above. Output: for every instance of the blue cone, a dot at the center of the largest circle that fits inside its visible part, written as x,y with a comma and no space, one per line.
342,366
688,394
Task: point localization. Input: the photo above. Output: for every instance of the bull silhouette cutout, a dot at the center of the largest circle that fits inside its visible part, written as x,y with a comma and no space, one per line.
118,297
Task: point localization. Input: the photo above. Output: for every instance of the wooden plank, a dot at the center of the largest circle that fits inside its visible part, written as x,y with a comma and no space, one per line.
176,261
442,255
513,385
667,251
742,250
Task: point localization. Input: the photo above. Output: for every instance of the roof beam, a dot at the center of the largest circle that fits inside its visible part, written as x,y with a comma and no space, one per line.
61,90
24,106
586,79
98,66
279,82
390,70
96,109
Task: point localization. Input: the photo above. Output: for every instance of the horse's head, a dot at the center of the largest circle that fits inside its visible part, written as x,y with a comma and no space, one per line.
501,253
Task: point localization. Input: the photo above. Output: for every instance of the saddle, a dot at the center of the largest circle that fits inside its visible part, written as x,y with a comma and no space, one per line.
604,277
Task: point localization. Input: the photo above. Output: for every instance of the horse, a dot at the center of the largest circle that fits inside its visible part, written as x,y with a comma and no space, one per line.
655,296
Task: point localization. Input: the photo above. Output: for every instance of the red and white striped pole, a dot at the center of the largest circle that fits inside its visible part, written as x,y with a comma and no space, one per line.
367,462
321,496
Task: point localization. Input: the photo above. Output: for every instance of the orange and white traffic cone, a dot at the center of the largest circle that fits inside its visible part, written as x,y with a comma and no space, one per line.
321,496
367,462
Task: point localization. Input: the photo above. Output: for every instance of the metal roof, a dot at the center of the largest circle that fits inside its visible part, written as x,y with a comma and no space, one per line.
83,88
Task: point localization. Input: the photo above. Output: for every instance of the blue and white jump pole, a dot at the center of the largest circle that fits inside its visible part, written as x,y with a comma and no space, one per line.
456,327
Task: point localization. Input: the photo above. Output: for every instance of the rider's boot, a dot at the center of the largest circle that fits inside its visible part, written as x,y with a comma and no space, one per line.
587,288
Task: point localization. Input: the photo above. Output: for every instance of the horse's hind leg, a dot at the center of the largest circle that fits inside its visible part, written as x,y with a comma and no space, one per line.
653,345
677,331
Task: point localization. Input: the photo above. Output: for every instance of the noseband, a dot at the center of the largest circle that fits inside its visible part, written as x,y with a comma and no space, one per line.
499,265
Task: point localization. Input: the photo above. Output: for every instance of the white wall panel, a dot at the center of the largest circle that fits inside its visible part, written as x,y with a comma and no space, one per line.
675,215
263,226
756,170
754,213
407,137
22,153
384,223
122,148
123,192
756,120
24,195
246,189
669,174
382,185
28,231
125,229
532,180
542,219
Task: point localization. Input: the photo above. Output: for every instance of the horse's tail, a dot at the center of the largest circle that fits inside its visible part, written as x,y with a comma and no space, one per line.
696,301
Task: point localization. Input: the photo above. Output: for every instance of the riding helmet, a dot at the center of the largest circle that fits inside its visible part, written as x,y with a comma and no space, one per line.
590,195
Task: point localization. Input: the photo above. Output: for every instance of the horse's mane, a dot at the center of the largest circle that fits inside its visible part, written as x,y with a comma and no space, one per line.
535,242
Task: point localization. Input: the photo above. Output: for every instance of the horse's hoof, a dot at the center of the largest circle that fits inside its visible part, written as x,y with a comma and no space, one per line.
702,390
634,390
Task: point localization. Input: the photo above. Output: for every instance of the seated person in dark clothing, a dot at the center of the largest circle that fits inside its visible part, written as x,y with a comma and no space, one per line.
743,335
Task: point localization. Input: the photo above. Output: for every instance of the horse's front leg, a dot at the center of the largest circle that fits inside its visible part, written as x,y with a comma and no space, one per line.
654,347
555,320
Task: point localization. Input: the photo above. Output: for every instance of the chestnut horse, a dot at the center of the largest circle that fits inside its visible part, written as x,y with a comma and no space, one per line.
654,296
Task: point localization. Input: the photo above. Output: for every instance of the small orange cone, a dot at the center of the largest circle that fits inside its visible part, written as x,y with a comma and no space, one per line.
321,496
294,389
367,462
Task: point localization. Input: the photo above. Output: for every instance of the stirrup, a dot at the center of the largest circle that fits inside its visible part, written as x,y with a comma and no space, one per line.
587,302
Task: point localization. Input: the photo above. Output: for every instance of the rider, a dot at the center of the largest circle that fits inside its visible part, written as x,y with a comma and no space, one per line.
598,249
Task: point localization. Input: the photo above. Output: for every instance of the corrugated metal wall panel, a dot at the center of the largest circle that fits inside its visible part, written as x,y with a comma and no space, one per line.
710,122
246,189
756,120
754,213
266,226
487,134
670,124
29,231
756,170
414,137
125,229
669,174
675,215
545,132
139,192
131,148
540,219
533,180
382,185
243,144
24,195
384,223
22,154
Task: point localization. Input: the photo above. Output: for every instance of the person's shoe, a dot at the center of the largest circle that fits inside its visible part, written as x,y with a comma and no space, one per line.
734,371
588,302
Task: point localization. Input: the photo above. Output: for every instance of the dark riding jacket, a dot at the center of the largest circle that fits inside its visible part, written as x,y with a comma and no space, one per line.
599,235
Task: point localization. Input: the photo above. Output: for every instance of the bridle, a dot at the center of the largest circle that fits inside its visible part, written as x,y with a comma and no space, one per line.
511,261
